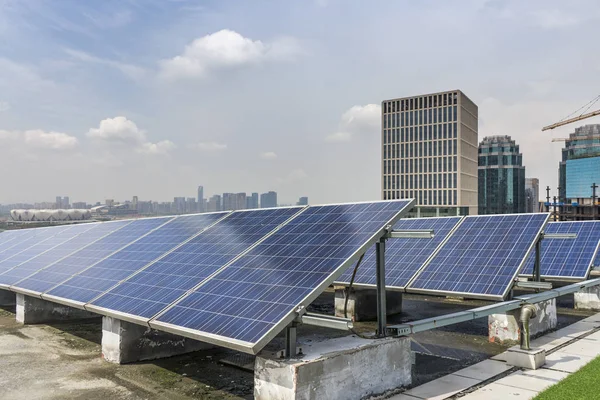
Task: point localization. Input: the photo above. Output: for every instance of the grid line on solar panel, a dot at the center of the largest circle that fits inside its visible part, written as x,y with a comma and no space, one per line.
568,259
107,273
43,246
62,270
152,289
251,300
403,257
39,236
46,259
482,258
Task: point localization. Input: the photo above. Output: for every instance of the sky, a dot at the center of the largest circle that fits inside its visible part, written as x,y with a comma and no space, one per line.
151,98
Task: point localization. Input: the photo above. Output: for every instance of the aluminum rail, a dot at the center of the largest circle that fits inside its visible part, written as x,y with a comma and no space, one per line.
327,321
518,302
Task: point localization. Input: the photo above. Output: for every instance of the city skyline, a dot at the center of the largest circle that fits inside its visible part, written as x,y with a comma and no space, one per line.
106,117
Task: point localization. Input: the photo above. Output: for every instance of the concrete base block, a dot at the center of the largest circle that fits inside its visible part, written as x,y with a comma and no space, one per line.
362,304
530,359
7,298
504,328
336,369
588,299
31,310
124,342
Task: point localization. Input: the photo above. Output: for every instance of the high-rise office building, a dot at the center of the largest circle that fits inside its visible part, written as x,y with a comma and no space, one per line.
302,201
429,152
252,201
58,202
532,195
134,203
234,201
501,176
66,203
579,170
201,199
268,199
191,206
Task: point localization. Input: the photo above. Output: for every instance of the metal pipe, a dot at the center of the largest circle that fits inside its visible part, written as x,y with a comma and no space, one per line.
381,297
528,311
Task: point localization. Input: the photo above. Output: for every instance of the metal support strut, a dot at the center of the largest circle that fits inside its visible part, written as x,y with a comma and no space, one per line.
290,341
536,266
381,297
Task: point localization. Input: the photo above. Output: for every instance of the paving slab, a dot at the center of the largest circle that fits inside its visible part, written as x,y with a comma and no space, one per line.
494,391
593,318
536,380
549,342
573,331
484,370
402,396
442,388
566,362
583,347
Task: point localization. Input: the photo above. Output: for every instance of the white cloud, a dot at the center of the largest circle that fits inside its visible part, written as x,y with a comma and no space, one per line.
268,155
8,135
209,146
225,49
4,106
161,148
129,70
50,140
294,176
118,129
357,120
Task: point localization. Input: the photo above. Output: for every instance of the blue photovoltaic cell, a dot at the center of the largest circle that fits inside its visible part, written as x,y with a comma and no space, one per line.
27,268
62,235
37,236
62,270
247,299
482,256
163,282
102,276
12,238
403,257
568,258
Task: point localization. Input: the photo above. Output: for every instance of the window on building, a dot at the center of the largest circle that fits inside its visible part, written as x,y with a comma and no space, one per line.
445,99
411,104
455,130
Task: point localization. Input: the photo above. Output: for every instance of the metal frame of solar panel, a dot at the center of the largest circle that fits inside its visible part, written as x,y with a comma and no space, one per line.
60,270
279,299
557,252
183,229
404,257
456,250
203,244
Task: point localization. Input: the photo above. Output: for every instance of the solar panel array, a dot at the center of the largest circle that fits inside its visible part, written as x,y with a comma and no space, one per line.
568,259
271,260
256,296
403,257
103,275
482,257
154,288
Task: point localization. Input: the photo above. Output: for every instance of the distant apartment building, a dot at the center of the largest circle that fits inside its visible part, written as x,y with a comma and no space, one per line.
191,206
429,152
579,170
234,201
501,176
532,195
63,202
214,204
80,205
200,199
268,199
302,201
179,205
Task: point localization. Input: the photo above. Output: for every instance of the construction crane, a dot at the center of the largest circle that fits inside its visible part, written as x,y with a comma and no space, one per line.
583,115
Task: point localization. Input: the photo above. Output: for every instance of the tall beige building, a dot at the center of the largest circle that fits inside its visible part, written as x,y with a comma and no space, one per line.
429,152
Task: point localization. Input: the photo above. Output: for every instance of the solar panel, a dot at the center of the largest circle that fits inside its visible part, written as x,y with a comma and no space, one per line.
151,290
568,259
11,238
403,257
482,257
34,237
48,258
252,299
60,271
105,274
61,236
